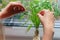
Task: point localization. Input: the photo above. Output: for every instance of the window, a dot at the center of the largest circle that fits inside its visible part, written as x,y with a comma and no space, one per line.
14,21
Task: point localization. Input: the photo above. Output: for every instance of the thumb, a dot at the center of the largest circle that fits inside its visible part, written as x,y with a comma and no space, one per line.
40,16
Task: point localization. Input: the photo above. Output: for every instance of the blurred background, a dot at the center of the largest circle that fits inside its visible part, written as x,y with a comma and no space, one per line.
16,30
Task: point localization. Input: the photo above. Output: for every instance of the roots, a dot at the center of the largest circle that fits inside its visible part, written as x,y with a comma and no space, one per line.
36,36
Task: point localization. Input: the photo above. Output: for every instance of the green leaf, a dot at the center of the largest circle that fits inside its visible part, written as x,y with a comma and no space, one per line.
36,0
29,27
13,0
56,10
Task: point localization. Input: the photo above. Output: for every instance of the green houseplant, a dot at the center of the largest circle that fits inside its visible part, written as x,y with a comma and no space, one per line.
37,5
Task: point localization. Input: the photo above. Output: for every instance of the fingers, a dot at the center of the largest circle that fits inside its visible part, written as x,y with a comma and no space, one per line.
45,13
15,3
17,7
40,16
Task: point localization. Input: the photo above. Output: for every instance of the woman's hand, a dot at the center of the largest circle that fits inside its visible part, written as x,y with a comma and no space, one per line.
11,8
47,20
14,7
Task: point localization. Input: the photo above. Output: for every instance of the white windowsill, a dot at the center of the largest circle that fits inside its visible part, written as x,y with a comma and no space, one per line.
21,31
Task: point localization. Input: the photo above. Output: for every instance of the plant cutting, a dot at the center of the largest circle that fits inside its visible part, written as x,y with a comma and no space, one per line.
36,6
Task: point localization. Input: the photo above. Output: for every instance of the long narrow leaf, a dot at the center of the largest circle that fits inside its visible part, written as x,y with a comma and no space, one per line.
29,27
